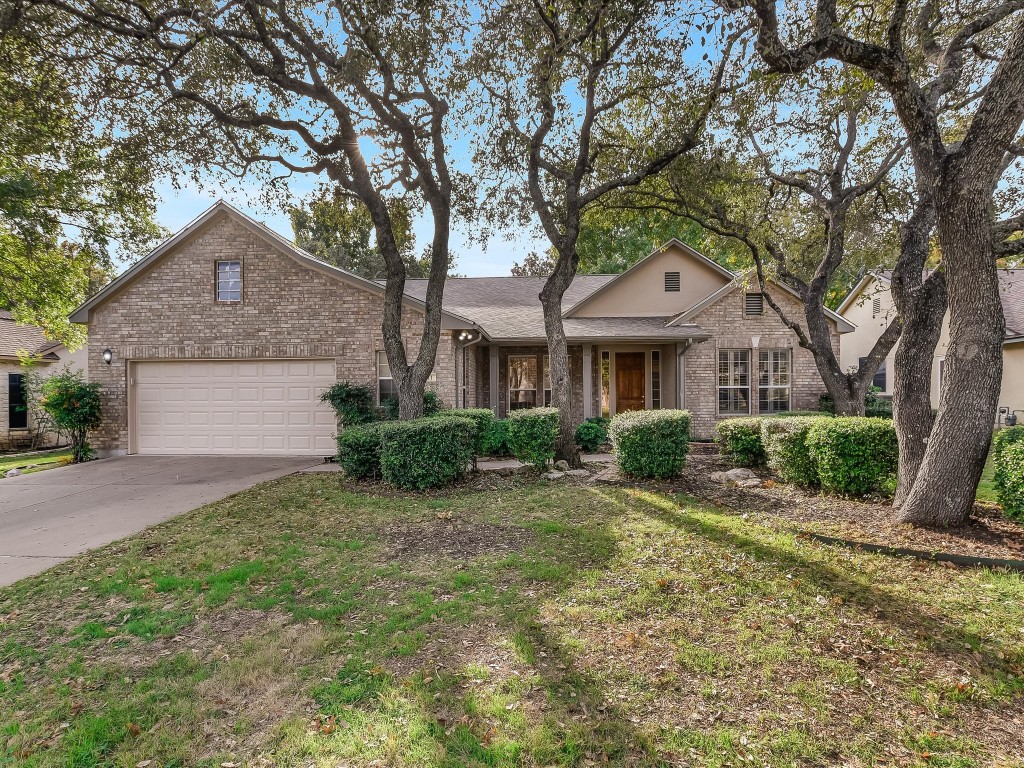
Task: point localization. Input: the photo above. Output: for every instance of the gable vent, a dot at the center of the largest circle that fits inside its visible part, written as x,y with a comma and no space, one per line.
672,282
753,304
876,307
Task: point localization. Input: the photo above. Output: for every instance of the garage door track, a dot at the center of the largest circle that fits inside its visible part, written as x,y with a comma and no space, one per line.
47,517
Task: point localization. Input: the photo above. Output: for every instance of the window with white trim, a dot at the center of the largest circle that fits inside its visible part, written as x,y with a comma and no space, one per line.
655,379
386,386
878,380
733,382
773,374
546,365
606,382
522,382
229,281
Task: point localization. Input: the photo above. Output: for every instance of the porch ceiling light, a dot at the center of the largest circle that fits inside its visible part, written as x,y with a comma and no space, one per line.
108,355
466,336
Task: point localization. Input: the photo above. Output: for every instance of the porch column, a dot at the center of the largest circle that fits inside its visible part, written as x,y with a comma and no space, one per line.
681,347
588,387
493,375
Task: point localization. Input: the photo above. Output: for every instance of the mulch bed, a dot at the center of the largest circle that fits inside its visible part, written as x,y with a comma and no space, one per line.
987,533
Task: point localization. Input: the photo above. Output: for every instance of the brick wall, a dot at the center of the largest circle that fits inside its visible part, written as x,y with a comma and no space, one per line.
731,329
575,376
287,310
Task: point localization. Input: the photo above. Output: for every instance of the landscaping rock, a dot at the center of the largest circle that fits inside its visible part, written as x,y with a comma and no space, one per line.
578,473
751,483
562,465
12,473
738,476
554,475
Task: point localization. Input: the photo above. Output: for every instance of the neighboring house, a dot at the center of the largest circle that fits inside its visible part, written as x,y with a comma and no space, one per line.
870,307
222,339
17,429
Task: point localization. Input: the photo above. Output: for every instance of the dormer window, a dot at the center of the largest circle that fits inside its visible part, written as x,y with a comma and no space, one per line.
672,282
753,304
229,281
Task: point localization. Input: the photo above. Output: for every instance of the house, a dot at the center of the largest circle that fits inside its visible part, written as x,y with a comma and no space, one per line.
870,307
221,339
17,427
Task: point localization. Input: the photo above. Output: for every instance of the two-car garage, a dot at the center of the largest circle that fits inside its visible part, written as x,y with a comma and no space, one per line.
245,407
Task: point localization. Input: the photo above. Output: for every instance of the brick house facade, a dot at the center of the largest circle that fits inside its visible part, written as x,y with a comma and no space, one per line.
190,372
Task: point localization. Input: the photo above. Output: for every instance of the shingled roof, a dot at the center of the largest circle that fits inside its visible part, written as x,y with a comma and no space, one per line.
17,337
509,309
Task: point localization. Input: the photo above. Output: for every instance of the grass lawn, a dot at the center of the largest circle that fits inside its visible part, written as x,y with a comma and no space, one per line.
45,460
301,623
986,488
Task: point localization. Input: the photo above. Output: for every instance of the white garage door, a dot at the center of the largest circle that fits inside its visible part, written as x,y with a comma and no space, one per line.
243,407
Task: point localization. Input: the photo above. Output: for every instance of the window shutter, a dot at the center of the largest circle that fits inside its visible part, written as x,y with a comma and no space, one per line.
672,282
753,304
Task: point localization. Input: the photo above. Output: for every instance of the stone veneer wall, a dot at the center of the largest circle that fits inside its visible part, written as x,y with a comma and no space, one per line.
731,329
288,310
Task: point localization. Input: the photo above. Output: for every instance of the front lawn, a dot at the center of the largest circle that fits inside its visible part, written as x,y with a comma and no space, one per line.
522,624
42,460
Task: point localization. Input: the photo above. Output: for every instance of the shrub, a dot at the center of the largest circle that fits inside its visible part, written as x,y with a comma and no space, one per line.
532,433
359,451
495,439
431,406
1002,440
740,441
352,403
482,419
1010,487
426,453
74,405
852,454
651,443
785,444
592,434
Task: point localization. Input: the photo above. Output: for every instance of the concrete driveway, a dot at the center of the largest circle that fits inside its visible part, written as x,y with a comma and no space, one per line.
49,516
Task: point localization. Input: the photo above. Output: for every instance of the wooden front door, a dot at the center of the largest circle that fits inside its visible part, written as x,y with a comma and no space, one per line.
629,381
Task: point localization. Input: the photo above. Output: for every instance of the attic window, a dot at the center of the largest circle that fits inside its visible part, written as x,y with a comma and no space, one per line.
672,282
229,281
876,307
753,304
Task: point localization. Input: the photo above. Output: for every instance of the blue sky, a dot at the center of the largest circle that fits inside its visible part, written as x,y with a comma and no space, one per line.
180,206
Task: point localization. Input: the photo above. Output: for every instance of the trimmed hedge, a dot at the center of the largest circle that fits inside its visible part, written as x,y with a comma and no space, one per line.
592,434
785,443
482,419
532,433
495,439
426,453
1008,458
739,441
359,451
651,443
854,455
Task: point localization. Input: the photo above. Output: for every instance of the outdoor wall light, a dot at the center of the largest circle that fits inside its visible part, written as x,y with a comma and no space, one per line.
108,355
466,336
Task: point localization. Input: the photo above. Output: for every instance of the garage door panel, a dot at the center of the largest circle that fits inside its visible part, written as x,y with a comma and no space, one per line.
247,407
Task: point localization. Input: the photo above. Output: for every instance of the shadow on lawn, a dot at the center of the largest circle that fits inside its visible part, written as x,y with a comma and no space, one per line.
943,635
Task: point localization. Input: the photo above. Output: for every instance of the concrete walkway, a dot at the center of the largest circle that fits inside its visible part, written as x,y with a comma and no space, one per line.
490,465
47,517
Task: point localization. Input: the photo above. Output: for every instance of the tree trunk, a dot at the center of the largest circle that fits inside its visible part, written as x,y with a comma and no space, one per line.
558,356
943,492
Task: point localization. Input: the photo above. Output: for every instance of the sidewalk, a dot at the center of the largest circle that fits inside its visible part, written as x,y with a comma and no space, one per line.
492,465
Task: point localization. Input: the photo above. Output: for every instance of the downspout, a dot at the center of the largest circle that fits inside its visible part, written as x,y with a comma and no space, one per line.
465,344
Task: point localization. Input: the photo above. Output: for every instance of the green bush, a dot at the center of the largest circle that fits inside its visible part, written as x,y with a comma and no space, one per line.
352,403
592,434
359,451
739,441
853,454
785,443
651,443
1010,487
482,419
1009,471
495,439
426,453
431,406
532,433
74,405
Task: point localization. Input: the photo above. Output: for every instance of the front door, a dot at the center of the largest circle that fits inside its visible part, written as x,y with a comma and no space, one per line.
629,381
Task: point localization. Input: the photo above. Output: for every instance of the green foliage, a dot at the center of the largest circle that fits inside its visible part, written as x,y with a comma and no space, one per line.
426,453
359,451
785,444
482,419
874,406
854,455
651,443
495,440
532,433
74,405
431,406
592,434
1010,488
1009,470
352,403
740,441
